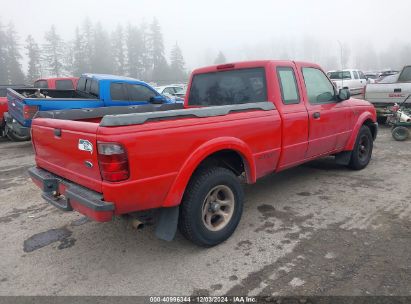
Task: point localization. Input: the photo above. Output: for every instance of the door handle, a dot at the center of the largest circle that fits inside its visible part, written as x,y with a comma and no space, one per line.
316,115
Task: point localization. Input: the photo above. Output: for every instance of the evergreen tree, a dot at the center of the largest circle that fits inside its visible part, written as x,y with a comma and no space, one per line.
88,44
160,69
220,59
34,65
13,57
3,57
177,64
102,60
53,51
80,65
135,47
119,56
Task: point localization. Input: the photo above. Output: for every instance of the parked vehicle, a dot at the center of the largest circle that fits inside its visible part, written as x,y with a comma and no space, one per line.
401,121
386,73
177,92
4,106
93,91
241,121
371,77
383,95
353,80
62,83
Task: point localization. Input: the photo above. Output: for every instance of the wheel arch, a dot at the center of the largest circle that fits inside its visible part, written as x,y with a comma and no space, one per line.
227,151
365,118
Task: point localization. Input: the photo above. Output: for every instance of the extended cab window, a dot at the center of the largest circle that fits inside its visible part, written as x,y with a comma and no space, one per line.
319,88
64,85
41,84
228,87
94,88
355,74
288,85
139,92
81,85
118,92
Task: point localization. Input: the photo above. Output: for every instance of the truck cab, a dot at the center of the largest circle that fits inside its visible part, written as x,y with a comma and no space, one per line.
92,91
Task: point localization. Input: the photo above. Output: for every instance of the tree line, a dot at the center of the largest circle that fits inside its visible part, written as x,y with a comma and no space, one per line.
131,50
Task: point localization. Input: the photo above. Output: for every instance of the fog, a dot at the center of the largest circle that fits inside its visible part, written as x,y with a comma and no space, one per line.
370,34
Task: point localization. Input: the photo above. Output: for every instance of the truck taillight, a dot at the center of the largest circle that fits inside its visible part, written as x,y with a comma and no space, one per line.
29,111
113,162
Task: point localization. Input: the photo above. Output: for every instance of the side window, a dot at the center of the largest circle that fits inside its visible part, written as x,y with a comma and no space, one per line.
355,74
319,88
168,91
117,92
139,92
288,85
64,85
81,85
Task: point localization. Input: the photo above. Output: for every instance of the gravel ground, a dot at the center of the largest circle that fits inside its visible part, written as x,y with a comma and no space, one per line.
318,229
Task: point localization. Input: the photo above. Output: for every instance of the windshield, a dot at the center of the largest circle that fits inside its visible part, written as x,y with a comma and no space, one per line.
405,75
340,75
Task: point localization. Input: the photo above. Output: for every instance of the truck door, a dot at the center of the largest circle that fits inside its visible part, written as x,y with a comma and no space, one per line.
294,117
329,119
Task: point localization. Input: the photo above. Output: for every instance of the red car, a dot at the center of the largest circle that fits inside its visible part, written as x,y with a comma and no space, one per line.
240,122
65,83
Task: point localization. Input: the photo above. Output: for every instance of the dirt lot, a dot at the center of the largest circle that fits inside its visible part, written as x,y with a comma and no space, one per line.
318,229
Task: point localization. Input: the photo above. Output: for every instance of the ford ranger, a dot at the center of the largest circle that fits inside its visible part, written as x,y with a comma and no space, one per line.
240,122
93,91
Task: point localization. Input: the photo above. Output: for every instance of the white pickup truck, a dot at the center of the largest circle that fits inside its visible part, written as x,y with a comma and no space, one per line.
387,94
351,79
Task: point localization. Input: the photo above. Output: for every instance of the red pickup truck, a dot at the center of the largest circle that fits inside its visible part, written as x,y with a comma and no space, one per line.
240,122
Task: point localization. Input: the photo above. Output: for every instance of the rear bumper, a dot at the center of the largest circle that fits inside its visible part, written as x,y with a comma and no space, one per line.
68,196
15,126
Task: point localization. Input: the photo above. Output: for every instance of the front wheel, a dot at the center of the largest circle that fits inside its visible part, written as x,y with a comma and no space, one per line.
212,206
361,154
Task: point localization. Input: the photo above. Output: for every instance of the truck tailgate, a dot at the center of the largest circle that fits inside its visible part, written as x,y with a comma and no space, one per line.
387,92
68,149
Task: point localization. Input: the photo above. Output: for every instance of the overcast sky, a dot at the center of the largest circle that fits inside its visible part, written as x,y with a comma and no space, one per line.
201,28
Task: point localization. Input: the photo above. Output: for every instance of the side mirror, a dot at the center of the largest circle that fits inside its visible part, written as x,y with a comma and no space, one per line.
344,94
157,99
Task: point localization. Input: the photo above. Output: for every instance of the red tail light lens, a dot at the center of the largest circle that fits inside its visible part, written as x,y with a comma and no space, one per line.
29,111
113,162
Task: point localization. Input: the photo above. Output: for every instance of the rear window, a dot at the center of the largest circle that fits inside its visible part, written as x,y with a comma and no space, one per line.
64,85
339,75
228,87
405,75
42,84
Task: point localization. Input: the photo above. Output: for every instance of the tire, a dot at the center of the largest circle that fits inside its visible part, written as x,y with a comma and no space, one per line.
201,219
400,133
16,137
361,154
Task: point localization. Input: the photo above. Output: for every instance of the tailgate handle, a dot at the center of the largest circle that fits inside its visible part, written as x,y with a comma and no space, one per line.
57,132
397,90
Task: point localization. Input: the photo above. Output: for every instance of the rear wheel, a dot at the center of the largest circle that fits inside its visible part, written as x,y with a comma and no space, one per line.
212,206
400,133
13,136
361,154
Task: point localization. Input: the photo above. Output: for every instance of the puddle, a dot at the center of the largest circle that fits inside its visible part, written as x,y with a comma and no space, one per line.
42,239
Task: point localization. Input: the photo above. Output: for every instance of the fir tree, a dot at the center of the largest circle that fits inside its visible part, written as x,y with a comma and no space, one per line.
34,64
53,52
